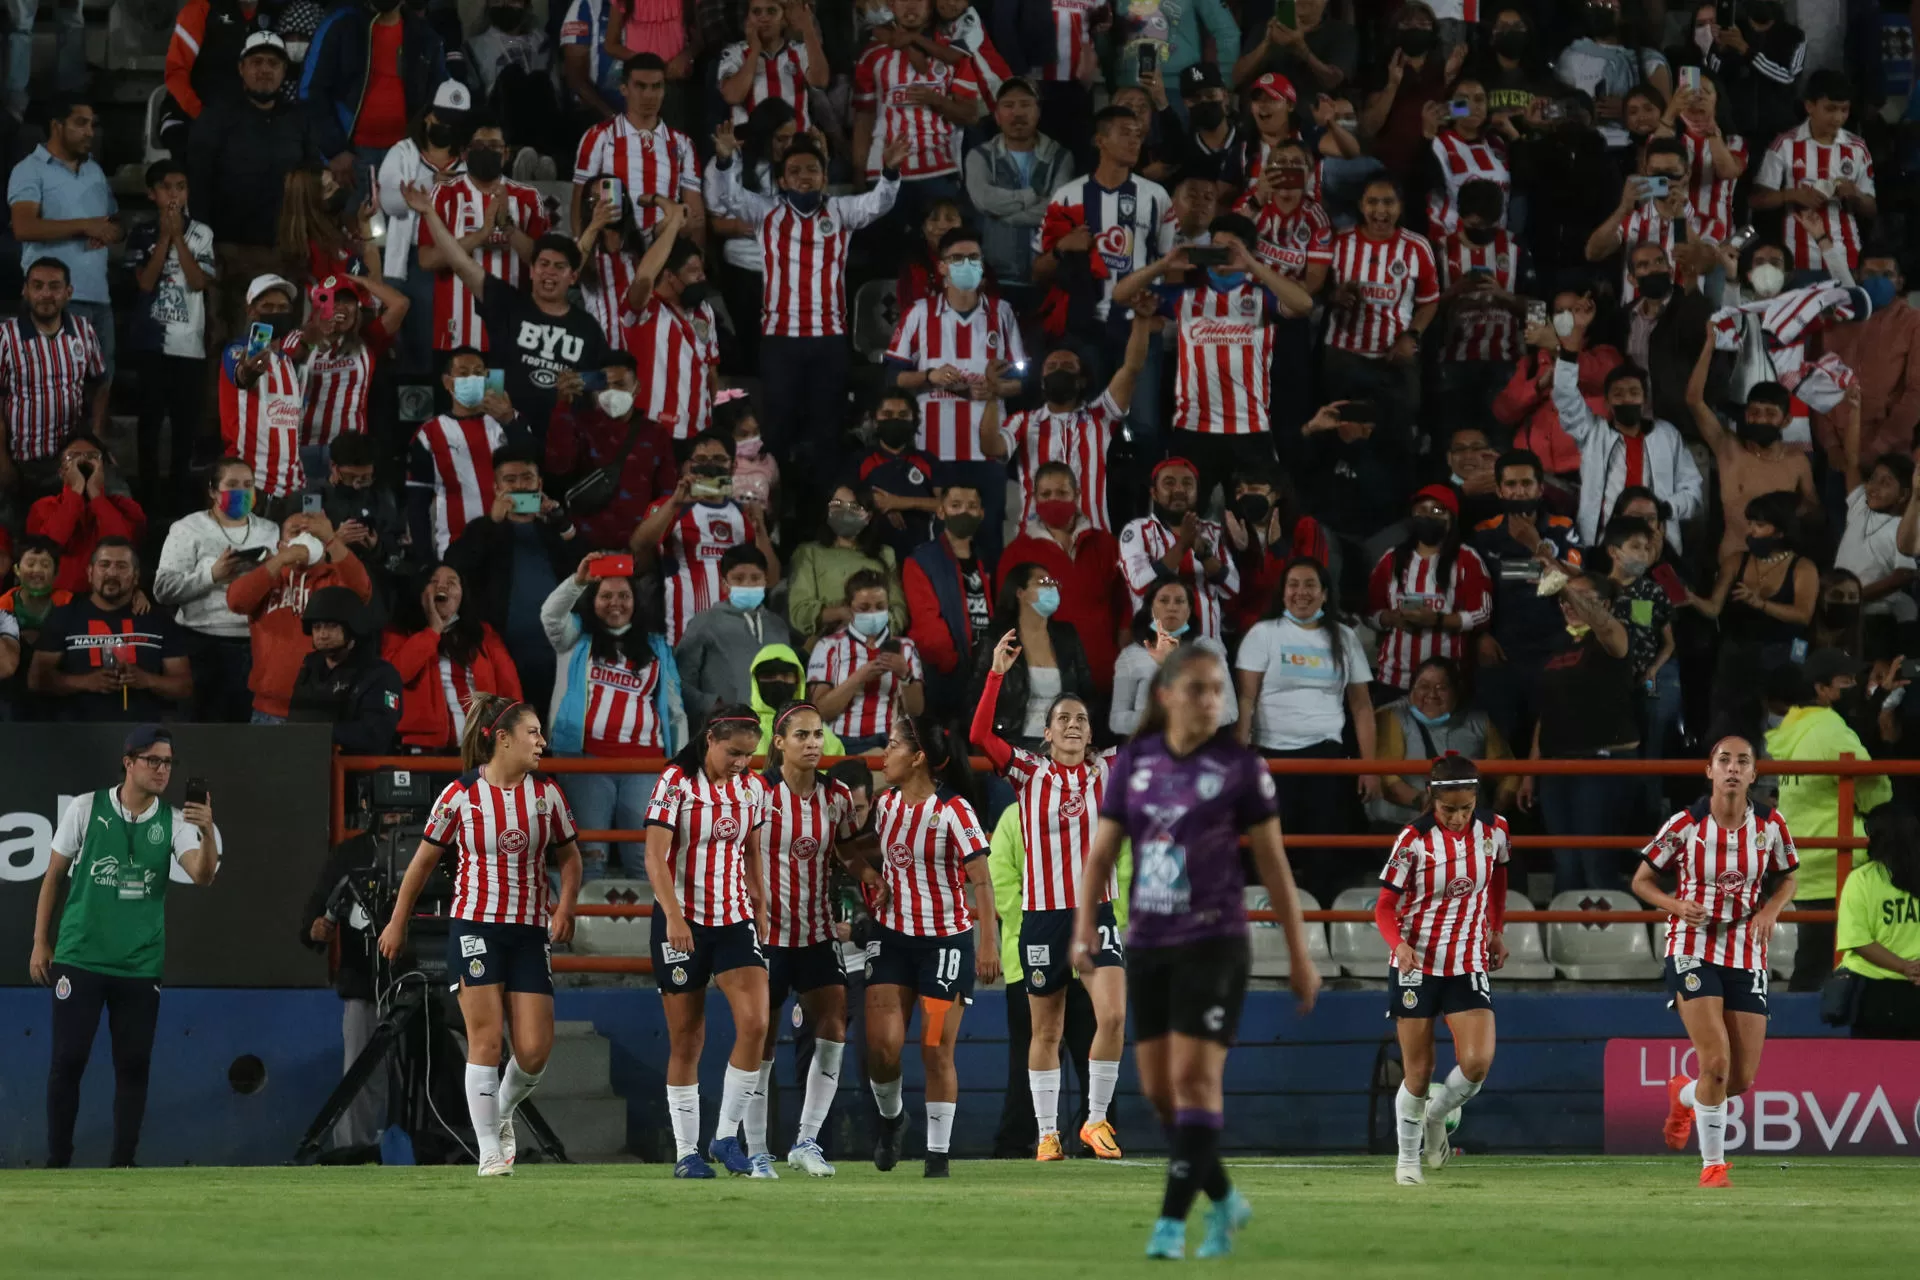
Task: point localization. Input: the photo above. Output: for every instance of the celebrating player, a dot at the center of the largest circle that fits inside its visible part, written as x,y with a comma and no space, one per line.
923,934
704,828
808,816
505,820
1059,806
1442,909
1184,793
1724,851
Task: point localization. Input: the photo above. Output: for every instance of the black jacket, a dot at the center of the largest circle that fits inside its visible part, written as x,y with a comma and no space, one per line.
216,67
1010,712
238,159
333,80
1673,348
483,557
1573,184
360,698
1759,88
353,979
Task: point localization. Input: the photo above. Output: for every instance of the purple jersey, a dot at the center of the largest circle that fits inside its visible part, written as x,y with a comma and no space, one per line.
1185,816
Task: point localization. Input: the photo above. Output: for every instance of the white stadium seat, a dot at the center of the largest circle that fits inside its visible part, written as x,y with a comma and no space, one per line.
1526,953
1269,941
1357,947
1603,951
614,935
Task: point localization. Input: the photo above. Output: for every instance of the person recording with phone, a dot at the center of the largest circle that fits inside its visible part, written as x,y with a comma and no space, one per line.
262,395
309,556
687,532
203,554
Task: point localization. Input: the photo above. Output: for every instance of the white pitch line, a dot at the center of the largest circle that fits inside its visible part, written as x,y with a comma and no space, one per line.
1359,1164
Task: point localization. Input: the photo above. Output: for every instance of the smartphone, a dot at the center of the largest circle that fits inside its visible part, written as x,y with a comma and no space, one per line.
259,338
1738,240
496,382
1553,113
525,504
593,380
1148,59
611,567
312,503
1460,108
1669,582
1690,79
1725,14
323,306
1283,13
1536,312
610,191
1653,186
196,790
1206,255
1358,411
251,555
712,490
1289,178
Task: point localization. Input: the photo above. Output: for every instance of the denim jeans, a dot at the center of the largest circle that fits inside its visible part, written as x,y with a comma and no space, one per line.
611,802
1590,806
70,50
266,717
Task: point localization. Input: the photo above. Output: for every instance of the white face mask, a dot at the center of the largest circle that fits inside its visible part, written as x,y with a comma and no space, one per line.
1703,38
616,403
1563,323
1766,280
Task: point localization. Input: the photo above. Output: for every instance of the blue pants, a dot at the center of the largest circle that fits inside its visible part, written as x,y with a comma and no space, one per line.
611,802
70,50
1591,806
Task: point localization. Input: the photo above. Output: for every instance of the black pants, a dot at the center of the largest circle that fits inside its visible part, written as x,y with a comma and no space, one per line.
1392,386
1889,1008
1813,952
803,398
171,390
1019,1132
221,666
1295,397
133,1007
742,290
1317,804
1219,459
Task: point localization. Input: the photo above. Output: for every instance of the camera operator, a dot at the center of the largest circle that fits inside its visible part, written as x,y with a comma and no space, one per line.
119,844
344,681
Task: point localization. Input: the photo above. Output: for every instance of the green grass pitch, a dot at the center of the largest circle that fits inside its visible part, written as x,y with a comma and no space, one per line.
1480,1217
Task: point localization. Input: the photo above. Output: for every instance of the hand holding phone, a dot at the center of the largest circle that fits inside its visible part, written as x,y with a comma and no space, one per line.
259,338
611,567
525,504
496,382
196,790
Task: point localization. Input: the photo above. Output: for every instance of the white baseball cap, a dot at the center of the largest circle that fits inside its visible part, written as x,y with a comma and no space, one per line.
452,96
265,40
267,284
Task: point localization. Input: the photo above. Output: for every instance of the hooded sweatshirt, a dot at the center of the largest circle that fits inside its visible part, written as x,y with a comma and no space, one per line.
273,603
716,654
1811,802
766,710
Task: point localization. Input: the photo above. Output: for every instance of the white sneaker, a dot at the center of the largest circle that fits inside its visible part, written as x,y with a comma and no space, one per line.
763,1166
492,1166
806,1156
1439,1144
1408,1175
507,1146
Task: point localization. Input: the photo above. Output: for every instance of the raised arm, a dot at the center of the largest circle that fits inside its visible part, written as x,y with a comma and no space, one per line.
453,257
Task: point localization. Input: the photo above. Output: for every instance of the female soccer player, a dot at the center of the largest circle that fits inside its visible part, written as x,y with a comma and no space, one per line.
809,816
1059,797
504,820
1184,793
1442,910
704,827
923,935
1735,864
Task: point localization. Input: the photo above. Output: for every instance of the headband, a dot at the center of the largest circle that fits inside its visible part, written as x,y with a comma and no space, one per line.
1171,462
494,726
792,707
724,397
743,721
1472,780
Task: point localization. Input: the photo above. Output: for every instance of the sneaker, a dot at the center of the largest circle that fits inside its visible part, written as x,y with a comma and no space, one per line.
1169,1239
1408,1174
1049,1148
1099,1137
507,1145
886,1150
763,1166
1679,1126
806,1156
1438,1144
936,1165
730,1153
1223,1219
1716,1175
691,1165
492,1166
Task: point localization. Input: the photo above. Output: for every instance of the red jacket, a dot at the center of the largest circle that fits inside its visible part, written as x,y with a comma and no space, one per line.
1521,404
926,621
1260,578
579,441
273,606
1093,595
425,720
77,524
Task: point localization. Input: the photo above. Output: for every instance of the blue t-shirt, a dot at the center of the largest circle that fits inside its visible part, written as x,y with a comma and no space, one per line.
64,194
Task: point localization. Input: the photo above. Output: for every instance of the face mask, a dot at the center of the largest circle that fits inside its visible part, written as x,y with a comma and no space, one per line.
870,624
1046,601
1225,281
1879,290
963,526
692,295
1848,703
1766,546
777,693
1178,631
1062,386
620,630
1315,616
1207,116
1421,717
1056,513
1656,286
1627,415
1429,531
1703,37
1510,44
847,524
1602,21
615,403
1563,323
236,504
895,433
1842,616
1766,280
1478,235
280,323
470,390
1629,568
1253,507
966,276
1519,506
439,134
748,448
1761,433
485,164
337,202
746,598
804,202
1416,41
505,17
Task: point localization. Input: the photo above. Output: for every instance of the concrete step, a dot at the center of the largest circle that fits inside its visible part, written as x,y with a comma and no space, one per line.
590,1128
578,1068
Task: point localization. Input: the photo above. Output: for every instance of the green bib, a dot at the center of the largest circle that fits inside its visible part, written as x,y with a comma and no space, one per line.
115,921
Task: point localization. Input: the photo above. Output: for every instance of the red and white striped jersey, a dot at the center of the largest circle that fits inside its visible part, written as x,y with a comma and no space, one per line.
800,837
1293,240
1643,224
1443,879
1467,591
677,351
694,543
711,823
1035,437
1482,330
1710,198
462,205
1724,869
932,334
1059,809
43,383
501,836
337,379
882,80
1072,37
261,423
1145,541
1225,354
604,280
1462,162
1788,320
873,709
1256,150
925,849
1132,225
454,458
648,162
1394,276
781,74
622,717
1796,160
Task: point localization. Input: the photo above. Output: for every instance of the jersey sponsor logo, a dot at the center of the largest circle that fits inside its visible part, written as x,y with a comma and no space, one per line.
1400,860
1115,244
1040,954
1214,1018
899,855
1221,332
63,988
805,847
1411,978
1459,887
1731,881
726,829
513,842
472,946
1382,294
972,833
1683,963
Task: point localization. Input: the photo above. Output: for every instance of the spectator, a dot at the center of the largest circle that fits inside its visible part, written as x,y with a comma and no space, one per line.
1511,65
1427,593
511,62
1466,147
1471,473
1082,560
1413,77
1316,51
763,143
608,433
1517,546
1049,660
949,585
588,69
53,378
1386,289
172,263
445,468
860,676
652,161
687,532
775,60
321,231
675,334
1753,462
1433,719
1296,239
899,475
1601,63
1646,611
102,656
69,51
1816,728
342,341
1715,161
1009,179
273,598
203,554
1265,533
62,208
1484,269
777,674
1884,353
1869,547
1202,138
1839,623
609,257
443,658
344,681
1161,625
34,596
496,221
756,474
433,152
1174,542
1179,34
1759,59
1526,403
370,68
1569,180
367,516
1764,598
83,512
912,84
1820,167
1879,907
716,652
262,395
850,541
1646,217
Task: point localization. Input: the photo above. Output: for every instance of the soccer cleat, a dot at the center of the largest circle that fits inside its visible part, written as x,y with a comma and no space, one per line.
1439,1146
1716,1175
1408,1175
763,1166
507,1145
936,1165
1223,1219
1049,1148
494,1167
1169,1239
1679,1126
1100,1140
886,1149
691,1165
730,1153
806,1156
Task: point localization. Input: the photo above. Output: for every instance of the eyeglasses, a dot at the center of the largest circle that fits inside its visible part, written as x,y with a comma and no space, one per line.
156,762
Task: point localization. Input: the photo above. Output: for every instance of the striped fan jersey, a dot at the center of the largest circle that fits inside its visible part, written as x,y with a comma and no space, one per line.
648,162
1711,198
797,851
604,280
924,850
1485,331
501,836
1072,37
1145,541
1225,354
1059,809
882,79
622,718
694,543
711,823
932,334
1443,879
1293,240
781,74
261,423
1644,223
1468,592
454,458
1035,437
43,383
1395,277
463,207
337,379
1795,160
677,352
874,707
1725,870
1462,162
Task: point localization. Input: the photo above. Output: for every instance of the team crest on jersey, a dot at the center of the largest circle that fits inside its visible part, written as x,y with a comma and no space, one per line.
1247,306
726,829
826,226
1127,208
1209,786
799,1016
1731,881
899,855
1692,982
720,531
1302,233
513,842
1846,168
701,329
1459,887
679,976
63,988
476,966
1397,270
805,847
541,806
993,342
1409,998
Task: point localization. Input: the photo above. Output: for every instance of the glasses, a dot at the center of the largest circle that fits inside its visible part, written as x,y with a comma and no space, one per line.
156,762
963,257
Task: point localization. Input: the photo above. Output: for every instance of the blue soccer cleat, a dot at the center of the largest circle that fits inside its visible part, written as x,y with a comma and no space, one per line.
691,1165
1223,1219
729,1152
1169,1239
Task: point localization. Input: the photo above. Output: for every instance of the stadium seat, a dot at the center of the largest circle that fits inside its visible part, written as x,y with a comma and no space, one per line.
1602,951
1526,954
1269,942
876,313
1357,946
614,935
1782,948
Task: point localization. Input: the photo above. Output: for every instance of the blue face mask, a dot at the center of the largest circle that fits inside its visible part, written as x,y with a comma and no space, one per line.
965,275
1046,601
1225,281
1180,631
804,201
1314,617
1879,290
471,390
870,624
1427,720
745,598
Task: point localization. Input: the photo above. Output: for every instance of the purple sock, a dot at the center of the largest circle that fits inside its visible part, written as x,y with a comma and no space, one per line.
1195,1115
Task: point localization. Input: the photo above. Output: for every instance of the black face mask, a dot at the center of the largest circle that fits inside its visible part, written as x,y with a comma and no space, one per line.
1062,386
1520,506
1207,116
1510,43
895,433
964,526
439,134
1656,286
1429,531
1478,235
1848,703
1167,516
1254,508
1416,42
692,295
1601,21
1627,415
712,470
282,324
1766,546
1842,617
505,17
777,693
484,164
1761,433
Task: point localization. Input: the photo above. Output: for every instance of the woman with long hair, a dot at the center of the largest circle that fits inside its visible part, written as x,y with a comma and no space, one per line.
504,821
1428,592
444,657
203,553
850,540
704,831
1878,933
609,256
1442,911
433,152
1049,661
1840,620
321,233
770,129
1184,795
1735,865
1163,623
922,949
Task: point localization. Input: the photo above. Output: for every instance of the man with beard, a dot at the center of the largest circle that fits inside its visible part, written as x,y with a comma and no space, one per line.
1174,544
100,660
345,682
63,208
53,379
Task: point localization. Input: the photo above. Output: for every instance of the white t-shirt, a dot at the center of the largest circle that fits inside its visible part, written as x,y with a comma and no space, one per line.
71,836
1868,552
1303,700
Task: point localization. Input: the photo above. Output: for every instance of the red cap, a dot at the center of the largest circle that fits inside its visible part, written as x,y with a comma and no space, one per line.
1443,495
1172,462
1275,85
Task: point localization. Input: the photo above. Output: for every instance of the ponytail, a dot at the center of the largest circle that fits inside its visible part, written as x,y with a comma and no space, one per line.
947,764
725,721
488,716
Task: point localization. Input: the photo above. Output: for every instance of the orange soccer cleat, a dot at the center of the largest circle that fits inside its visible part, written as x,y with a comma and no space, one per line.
1049,1148
1679,1126
1100,1140
1716,1175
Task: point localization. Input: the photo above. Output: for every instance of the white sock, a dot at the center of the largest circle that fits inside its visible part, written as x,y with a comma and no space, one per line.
483,1105
1453,1093
515,1087
1045,1086
939,1126
823,1081
735,1095
683,1109
1102,1079
1687,1096
757,1110
1710,1122
1410,1114
887,1098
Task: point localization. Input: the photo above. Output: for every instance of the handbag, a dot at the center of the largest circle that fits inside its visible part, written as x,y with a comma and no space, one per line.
595,489
1754,363
1840,997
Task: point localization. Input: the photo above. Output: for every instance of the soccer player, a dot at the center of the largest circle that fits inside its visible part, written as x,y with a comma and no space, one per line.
504,820
808,816
923,934
1735,863
704,828
1184,793
1442,909
1059,797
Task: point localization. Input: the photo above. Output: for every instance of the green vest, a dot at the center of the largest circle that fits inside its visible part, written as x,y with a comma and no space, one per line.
115,921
